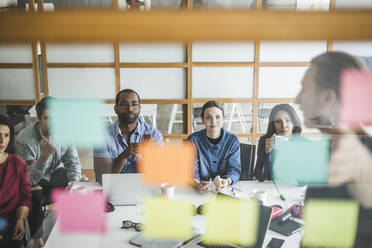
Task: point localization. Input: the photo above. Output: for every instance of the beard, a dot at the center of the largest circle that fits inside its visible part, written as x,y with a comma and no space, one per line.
124,118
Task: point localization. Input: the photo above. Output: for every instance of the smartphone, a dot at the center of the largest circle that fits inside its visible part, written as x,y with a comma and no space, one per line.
275,243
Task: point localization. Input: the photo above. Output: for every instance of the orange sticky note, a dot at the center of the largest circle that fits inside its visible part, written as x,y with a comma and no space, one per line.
80,212
355,97
171,163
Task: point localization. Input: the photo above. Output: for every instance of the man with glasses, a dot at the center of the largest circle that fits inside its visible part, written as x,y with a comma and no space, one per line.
120,153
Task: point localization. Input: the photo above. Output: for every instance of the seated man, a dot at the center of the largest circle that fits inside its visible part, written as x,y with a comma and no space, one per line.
319,99
50,165
120,153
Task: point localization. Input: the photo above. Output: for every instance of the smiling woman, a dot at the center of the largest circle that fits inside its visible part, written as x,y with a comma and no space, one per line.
218,150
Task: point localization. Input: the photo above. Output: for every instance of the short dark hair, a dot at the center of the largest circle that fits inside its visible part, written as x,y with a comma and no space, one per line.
297,127
6,122
42,105
211,104
127,91
329,67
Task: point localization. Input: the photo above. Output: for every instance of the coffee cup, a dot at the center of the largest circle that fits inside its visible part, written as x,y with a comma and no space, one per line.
167,190
259,194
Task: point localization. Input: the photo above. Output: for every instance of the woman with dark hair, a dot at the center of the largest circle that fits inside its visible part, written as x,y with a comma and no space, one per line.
15,185
283,121
218,151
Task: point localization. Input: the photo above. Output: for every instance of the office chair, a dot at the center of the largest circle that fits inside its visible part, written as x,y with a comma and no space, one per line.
247,156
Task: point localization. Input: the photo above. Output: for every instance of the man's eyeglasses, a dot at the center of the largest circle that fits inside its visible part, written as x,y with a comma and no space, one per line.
127,105
139,227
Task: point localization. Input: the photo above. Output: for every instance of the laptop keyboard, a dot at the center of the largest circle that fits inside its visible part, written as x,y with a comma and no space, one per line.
161,244
215,246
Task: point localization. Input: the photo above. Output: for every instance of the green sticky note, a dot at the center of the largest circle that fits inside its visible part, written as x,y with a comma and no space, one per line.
77,122
301,161
166,219
231,221
330,223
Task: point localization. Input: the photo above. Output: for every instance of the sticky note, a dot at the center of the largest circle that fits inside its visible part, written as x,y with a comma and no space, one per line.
77,121
80,212
171,163
355,97
170,220
301,161
330,223
231,221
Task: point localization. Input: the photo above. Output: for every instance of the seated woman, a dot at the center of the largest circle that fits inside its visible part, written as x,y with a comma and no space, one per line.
283,121
15,184
218,150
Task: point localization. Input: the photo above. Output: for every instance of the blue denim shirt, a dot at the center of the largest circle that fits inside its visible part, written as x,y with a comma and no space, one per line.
221,159
116,143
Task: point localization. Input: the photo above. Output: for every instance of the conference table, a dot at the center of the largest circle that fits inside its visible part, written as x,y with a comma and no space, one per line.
117,237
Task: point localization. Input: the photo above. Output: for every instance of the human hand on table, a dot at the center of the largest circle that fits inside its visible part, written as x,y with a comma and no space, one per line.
203,186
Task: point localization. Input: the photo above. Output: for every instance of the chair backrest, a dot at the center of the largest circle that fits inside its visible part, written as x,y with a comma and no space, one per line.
247,156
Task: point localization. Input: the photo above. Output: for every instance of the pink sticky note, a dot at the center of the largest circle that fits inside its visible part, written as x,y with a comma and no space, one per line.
80,212
355,97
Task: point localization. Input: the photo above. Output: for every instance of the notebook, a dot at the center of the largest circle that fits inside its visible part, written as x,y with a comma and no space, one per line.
125,189
264,221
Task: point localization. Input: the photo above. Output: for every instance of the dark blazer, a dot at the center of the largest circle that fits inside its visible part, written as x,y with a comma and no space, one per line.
262,169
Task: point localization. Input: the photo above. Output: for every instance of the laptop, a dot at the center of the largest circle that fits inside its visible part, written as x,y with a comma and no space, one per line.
263,224
125,189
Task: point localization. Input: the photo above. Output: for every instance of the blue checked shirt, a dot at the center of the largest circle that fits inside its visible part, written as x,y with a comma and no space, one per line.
116,143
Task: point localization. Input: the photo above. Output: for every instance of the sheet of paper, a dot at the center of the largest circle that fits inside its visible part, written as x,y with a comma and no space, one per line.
77,122
170,220
171,163
231,221
330,223
80,212
301,161
355,98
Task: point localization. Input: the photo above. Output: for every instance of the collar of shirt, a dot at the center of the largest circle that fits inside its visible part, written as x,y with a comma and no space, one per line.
37,131
208,144
134,138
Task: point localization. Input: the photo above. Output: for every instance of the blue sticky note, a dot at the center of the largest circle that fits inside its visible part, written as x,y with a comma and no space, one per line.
301,161
77,122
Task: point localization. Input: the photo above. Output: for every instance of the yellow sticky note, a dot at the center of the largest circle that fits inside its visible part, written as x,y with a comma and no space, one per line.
330,223
170,220
231,221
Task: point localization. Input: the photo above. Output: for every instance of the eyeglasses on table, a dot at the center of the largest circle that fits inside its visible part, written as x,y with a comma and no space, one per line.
127,224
